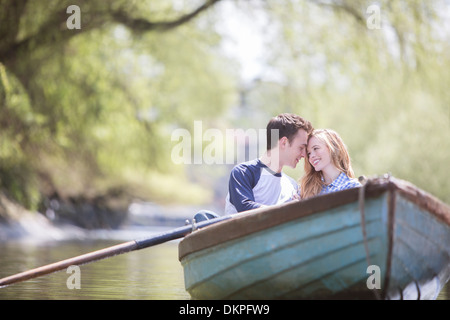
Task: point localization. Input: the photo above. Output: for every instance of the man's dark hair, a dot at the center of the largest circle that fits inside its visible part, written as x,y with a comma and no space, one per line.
287,125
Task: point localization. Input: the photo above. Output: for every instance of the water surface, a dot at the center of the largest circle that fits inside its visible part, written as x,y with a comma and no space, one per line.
151,273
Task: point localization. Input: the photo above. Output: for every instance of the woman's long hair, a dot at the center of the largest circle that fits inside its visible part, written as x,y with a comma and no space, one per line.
311,183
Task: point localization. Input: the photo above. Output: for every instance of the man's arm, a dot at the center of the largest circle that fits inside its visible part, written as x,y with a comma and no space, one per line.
242,182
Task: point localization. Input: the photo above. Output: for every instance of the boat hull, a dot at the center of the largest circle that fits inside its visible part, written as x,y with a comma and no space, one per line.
324,248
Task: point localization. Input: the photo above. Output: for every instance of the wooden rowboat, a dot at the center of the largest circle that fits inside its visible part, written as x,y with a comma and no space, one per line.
321,248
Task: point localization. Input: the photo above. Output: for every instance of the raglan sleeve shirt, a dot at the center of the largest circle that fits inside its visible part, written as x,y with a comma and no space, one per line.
241,184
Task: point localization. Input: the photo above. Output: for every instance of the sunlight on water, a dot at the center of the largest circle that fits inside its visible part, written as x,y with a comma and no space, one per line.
445,293
152,273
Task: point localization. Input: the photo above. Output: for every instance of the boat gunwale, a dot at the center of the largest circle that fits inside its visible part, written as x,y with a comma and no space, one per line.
263,218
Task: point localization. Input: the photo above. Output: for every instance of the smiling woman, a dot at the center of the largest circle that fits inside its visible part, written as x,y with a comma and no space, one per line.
328,166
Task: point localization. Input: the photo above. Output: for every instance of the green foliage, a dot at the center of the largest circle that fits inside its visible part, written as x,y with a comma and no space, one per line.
91,110
384,90
84,112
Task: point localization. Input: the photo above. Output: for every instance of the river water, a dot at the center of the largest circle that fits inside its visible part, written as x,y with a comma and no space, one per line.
152,273
149,274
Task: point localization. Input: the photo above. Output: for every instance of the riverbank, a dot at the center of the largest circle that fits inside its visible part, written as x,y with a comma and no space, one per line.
57,217
16,223
77,220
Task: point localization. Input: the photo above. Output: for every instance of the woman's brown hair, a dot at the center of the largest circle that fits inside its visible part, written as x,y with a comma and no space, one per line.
311,183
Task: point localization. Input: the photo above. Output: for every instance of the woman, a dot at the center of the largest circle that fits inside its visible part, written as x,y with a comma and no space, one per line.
327,165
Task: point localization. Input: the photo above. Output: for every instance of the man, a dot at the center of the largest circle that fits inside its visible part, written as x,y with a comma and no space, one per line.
261,182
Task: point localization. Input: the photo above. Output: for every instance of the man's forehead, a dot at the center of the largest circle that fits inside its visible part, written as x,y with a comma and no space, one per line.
302,134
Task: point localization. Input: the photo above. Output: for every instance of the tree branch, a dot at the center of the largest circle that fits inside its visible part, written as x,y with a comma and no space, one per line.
342,5
51,33
10,13
141,25
54,30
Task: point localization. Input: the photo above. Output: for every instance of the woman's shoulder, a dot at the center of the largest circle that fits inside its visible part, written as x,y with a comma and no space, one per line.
351,183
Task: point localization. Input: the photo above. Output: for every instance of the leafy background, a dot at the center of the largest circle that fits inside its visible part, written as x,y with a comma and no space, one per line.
88,114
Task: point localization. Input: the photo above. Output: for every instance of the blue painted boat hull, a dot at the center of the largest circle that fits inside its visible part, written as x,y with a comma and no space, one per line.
321,248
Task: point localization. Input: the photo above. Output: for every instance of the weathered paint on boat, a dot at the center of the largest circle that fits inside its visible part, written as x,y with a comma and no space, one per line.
321,248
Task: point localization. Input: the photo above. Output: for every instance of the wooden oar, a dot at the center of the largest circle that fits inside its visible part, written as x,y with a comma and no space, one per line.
110,251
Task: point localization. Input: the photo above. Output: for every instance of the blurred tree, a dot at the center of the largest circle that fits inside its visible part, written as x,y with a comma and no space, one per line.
89,110
384,90
83,111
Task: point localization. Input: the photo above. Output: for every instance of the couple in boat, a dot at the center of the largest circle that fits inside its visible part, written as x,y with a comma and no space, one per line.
261,182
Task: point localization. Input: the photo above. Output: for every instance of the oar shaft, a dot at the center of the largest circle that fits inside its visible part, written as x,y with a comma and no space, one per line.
178,232
79,260
109,252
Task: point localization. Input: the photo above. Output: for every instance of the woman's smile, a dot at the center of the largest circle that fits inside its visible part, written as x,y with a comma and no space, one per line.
315,162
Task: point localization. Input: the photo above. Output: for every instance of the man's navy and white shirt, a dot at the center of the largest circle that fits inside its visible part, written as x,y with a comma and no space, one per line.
253,184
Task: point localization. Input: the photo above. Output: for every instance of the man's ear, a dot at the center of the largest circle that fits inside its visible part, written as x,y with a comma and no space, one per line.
283,142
